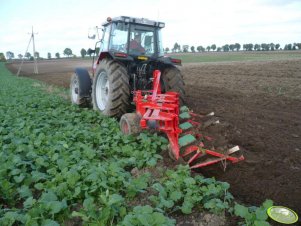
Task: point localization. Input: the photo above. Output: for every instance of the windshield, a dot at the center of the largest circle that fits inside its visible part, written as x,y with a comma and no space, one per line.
141,41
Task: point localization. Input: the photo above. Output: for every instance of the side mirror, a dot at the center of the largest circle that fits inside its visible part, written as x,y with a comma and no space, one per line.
91,37
148,40
91,33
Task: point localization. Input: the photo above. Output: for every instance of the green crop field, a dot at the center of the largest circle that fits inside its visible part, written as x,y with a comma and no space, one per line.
61,164
236,56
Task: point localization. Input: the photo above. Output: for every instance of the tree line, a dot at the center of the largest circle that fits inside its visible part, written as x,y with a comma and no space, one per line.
67,52
177,48
233,47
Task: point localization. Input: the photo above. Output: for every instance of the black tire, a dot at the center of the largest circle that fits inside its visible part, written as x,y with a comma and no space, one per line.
172,80
130,124
80,88
111,89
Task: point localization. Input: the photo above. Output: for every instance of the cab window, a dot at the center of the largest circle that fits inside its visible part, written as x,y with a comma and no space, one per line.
105,39
119,37
143,37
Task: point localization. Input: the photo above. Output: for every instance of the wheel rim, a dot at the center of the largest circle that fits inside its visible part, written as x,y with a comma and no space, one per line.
125,127
102,90
74,90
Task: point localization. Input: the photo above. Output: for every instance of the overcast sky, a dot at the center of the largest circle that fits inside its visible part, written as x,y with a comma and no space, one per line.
65,23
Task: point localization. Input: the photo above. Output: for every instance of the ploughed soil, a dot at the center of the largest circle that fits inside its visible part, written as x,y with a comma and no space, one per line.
259,108
259,104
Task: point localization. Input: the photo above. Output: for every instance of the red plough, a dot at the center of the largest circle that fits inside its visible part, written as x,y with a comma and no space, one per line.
157,111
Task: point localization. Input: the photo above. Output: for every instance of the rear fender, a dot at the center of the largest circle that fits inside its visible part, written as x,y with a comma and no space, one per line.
120,57
170,61
101,56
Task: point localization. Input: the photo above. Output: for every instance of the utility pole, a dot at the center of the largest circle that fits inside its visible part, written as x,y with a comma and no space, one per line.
34,54
35,69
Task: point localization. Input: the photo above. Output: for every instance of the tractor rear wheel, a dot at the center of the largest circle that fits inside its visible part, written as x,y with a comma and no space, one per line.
80,87
130,124
172,80
111,89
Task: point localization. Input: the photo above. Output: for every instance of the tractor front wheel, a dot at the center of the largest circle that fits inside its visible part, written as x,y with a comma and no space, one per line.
111,90
80,87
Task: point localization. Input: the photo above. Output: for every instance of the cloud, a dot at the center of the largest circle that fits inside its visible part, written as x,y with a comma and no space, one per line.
278,2
62,24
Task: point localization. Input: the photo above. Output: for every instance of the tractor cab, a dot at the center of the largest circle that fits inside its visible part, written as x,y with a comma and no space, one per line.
127,36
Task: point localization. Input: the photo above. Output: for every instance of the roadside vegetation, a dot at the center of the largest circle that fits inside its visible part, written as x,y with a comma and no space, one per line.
62,165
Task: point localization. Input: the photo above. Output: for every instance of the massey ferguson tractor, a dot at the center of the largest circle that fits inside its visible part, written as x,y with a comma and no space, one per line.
133,80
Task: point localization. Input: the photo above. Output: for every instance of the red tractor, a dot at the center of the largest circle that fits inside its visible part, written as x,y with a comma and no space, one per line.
132,69
130,50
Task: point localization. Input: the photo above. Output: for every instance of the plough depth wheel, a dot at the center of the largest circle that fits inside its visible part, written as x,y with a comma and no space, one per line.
130,124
